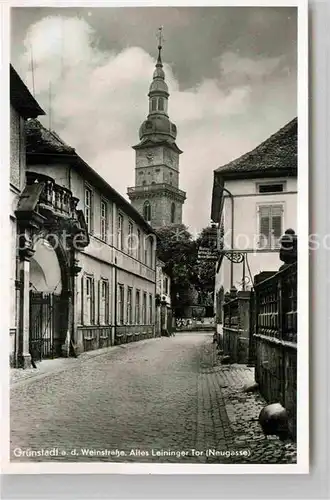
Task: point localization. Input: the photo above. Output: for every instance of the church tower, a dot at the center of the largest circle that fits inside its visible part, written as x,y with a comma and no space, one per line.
156,194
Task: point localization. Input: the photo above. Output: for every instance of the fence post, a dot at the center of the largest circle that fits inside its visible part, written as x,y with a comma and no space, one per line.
280,331
252,329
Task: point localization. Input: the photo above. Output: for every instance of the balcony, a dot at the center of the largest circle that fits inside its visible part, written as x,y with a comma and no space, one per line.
54,198
136,191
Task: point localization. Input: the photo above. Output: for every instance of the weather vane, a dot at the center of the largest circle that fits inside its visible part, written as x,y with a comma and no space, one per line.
160,37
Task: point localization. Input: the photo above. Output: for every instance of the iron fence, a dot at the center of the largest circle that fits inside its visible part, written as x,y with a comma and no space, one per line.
276,305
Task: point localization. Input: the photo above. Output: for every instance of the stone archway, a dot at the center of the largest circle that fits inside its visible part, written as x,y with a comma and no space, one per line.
45,269
49,298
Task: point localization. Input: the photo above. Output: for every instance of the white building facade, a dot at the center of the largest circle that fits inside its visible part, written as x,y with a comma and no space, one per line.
22,107
112,276
254,201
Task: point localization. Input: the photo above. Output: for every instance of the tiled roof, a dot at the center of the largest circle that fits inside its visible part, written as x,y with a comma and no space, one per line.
275,157
277,153
21,98
46,145
41,140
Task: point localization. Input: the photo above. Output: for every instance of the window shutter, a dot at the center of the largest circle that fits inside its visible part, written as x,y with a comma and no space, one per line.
99,302
107,303
264,216
277,221
93,301
82,299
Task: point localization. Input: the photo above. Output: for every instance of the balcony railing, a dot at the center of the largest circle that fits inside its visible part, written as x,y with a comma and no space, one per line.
54,197
276,305
155,187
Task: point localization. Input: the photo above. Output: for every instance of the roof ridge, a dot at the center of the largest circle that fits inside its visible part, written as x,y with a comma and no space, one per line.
265,146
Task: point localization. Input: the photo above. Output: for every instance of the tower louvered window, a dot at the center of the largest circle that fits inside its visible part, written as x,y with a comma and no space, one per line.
147,211
173,213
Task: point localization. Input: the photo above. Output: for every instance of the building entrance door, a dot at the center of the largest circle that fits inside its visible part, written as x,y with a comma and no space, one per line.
45,309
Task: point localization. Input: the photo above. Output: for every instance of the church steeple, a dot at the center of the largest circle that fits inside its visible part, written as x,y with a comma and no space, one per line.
157,126
158,91
156,194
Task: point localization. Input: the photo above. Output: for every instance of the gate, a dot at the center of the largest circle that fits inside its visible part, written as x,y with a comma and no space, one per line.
41,325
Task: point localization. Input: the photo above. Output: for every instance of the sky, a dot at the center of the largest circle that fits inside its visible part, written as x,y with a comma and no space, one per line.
231,72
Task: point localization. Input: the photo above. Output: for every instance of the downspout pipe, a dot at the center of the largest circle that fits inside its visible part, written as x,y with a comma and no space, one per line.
232,234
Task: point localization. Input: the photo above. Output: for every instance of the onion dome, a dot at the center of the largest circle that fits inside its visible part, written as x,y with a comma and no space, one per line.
157,126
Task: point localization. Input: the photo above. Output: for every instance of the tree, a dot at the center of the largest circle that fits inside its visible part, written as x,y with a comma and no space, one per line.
179,252
175,247
205,269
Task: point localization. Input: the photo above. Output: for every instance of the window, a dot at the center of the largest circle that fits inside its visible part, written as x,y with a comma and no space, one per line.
103,302
173,213
137,307
150,309
130,238
151,248
138,244
270,225
87,300
154,104
88,208
120,232
161,104
271,188
129,313
148,252
147,211
144,309
120,319
166,286
104,220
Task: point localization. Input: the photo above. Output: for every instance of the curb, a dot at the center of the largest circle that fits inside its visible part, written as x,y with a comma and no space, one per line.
71,362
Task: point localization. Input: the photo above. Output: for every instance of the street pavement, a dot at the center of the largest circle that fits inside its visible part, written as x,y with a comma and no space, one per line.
159,400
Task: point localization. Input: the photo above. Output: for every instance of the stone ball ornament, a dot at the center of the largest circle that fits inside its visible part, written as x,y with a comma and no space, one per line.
273,419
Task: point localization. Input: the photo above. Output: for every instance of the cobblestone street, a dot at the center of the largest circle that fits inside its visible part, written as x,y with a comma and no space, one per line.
141,402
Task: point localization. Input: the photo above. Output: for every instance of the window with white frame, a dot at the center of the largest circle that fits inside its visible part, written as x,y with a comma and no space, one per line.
120,221
87,300
89,208
146,251
104,220
137,307
270,225
149,259
103,302
138,244
150,309
144,309
130,238
129,314
120,319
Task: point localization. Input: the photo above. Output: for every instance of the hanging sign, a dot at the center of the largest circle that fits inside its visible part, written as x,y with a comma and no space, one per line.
205,253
